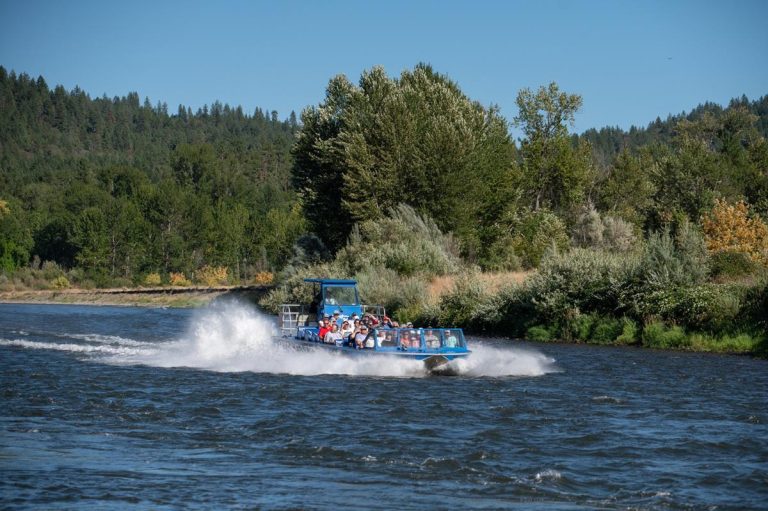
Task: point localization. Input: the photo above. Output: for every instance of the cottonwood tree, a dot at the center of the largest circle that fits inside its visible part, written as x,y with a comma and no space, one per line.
415,140
555,174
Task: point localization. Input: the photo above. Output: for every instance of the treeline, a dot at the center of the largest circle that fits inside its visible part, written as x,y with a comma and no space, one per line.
608,142
418,140
119,190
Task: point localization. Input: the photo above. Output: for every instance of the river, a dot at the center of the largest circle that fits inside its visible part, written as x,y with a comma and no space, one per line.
132,408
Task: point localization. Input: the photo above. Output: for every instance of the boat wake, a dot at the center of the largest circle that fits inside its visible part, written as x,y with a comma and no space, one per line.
233,337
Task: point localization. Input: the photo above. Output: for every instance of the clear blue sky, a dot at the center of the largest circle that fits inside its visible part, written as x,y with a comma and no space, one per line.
630,60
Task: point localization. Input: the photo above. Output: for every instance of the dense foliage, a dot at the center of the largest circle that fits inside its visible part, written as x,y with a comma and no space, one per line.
120,190
414,140
392,258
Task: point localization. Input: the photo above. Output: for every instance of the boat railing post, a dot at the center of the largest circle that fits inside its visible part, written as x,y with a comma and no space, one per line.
289,318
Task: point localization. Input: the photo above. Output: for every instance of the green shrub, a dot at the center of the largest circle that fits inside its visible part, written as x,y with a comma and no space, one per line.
76,275
738,343
537,233
581,327
404,241
587,230
51,270
606,330
459,307
628,332
619,235
293,289
501,256
710,307
428,314
392,258
657,335
755,310
591,230
583,280
731,264
60,282
509,313
277,296
539,334
669,262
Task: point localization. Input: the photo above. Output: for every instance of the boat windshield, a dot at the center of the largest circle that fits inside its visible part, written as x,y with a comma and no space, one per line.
340,295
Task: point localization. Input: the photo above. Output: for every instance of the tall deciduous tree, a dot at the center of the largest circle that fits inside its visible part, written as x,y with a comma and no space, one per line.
554,173
416,140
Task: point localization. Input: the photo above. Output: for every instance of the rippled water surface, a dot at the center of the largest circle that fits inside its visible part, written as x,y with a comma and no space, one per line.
128,408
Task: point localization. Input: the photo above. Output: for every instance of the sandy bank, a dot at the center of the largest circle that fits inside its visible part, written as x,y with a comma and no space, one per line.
145,297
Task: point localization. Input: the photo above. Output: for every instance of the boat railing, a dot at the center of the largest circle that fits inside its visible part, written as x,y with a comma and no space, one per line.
419,339
292,315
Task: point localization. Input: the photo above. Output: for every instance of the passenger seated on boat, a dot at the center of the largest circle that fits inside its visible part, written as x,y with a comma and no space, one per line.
451,341
386,322
371,320
333,335
360,337
355,330
432,340
389,339
415,339
381,337
346,330
370,341
336,317
405,341
324,329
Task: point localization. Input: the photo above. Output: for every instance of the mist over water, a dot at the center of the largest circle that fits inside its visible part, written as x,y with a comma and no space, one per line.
129,408
234,337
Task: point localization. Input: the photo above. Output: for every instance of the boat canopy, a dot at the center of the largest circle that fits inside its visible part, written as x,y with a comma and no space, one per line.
332,282
336,295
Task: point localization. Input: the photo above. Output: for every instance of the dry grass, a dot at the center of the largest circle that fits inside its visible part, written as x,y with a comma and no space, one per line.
94,297
492,282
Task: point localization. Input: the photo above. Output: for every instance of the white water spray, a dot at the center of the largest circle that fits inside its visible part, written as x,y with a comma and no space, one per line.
234,337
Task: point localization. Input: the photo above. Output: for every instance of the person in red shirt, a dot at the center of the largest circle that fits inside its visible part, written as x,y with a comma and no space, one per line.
324,329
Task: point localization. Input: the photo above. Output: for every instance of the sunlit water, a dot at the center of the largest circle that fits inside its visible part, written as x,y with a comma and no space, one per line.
129,408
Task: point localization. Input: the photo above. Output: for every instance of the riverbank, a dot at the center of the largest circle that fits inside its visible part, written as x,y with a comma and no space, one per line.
190,297
139,297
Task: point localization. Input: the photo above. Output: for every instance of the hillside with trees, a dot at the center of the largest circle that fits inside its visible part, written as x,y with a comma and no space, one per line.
118,190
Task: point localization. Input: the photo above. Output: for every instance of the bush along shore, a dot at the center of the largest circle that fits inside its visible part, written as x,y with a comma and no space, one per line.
667,292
